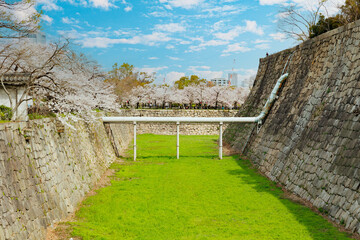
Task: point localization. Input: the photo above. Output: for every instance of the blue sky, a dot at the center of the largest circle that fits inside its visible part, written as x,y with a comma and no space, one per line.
170,37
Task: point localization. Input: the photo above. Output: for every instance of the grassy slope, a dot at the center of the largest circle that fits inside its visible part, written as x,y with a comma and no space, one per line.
196,197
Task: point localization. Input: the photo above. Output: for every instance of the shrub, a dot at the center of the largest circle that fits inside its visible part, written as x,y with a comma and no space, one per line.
38,112
324,25
40,116
5,113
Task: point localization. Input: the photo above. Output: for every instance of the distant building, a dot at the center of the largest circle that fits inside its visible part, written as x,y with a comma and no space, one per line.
220,81
38,37
15,84
233,79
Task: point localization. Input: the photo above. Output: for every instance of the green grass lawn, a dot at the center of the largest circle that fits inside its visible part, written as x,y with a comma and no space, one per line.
195,197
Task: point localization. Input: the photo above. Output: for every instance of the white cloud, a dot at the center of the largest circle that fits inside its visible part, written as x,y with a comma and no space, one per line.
205,72
69,20
48,5
213,43
184,42
258,41
104,4
204,44
200,39
153,38
171,77
72,34
272,2
187,4
128,8
236,47
221,8
105,42
98,42
230,35
251,26
46,18
209,74
263,46
218,25
160,14
125,32
153,58
170,27
196,68
278,36
152,70
169,46
136,49
224,10
174,58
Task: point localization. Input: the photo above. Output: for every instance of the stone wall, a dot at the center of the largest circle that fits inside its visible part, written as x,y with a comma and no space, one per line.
310,141
46,169
185,129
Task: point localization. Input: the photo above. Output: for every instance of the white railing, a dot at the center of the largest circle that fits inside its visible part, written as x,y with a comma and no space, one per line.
258,119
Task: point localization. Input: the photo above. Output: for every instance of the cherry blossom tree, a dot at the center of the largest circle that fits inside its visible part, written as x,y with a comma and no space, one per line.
200,95
215,94
162,94
140,95
178,96
63,80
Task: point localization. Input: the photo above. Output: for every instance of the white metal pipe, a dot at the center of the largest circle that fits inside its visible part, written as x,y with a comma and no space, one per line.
220,140
256,119
134,141
221,120
177,140
180,119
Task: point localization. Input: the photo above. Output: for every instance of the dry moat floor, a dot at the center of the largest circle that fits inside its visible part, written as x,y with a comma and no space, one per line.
195,197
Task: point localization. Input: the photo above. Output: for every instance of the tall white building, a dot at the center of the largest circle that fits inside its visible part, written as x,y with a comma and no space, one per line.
233,79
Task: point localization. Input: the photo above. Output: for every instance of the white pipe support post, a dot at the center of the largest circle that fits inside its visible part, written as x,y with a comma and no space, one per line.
177,140
220,140
134,141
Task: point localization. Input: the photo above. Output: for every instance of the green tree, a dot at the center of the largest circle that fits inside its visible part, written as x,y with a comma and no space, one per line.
124,78
324,25
192,81
123,71
350,11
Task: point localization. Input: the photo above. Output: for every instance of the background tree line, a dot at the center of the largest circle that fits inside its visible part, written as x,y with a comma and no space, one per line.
136,90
